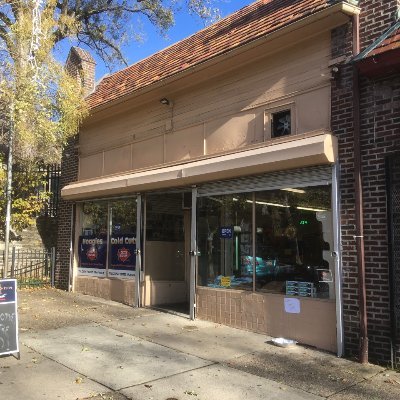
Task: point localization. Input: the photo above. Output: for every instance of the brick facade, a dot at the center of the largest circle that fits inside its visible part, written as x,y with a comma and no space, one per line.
69,167
81,65
380,127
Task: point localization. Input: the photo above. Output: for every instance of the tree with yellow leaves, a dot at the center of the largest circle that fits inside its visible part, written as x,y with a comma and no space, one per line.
41,107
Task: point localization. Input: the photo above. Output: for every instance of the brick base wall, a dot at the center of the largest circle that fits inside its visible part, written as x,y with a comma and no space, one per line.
314,325
120,290
228,307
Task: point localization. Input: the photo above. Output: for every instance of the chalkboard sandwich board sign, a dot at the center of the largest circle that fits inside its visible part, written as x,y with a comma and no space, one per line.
8,317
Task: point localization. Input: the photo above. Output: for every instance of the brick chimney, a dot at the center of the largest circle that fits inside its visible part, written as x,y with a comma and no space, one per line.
81,65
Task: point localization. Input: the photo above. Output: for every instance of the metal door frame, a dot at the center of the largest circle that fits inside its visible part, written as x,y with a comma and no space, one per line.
138,269
338,259
193,258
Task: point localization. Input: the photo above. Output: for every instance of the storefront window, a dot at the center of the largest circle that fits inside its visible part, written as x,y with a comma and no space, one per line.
294,242
93,239
107,242
122,260
225,241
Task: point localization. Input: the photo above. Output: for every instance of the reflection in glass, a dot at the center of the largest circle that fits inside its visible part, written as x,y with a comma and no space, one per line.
294,242
122,257
99,254
93,239
165,237
94,218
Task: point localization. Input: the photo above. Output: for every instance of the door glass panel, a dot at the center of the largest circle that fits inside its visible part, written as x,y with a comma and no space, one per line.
122,261
224,234
165,238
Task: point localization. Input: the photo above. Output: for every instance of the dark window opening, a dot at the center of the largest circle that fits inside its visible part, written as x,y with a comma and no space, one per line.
281,123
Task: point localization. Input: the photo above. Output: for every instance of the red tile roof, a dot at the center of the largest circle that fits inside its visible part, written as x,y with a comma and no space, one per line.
249,23
390,43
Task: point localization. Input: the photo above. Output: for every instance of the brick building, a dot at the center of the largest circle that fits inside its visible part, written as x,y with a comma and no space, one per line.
251,108
378,87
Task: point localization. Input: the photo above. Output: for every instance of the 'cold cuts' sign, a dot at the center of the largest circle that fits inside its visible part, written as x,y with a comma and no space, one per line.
92,255
123,256
8,317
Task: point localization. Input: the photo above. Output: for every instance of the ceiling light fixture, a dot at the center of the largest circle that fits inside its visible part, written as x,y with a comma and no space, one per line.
164,101
294,190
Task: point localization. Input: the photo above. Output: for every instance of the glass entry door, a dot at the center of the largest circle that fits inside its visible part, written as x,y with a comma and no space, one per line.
167,233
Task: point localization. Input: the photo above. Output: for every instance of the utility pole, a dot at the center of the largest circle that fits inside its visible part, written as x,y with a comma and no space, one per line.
8,192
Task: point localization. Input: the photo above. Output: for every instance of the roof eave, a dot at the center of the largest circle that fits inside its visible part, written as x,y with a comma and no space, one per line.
380,65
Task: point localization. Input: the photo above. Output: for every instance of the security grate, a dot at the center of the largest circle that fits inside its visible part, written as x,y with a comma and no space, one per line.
393,189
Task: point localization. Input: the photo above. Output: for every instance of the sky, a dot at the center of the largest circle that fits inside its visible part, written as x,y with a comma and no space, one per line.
185,25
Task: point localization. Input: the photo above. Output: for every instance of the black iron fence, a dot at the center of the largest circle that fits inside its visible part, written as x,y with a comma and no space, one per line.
31,267
52,186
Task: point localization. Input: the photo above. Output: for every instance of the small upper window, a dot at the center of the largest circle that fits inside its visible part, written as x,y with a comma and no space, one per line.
281,123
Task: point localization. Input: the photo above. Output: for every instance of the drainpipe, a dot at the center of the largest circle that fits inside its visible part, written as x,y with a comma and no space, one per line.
359,237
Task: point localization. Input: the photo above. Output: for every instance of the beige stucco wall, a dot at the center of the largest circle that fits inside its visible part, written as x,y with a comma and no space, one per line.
227,112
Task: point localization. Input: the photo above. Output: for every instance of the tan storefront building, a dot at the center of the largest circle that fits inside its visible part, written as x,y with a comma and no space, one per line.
207,180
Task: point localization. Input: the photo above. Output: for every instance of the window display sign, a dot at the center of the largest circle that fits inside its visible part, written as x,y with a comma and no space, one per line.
92,255
292,306
8,317
123,256
225,281
226,232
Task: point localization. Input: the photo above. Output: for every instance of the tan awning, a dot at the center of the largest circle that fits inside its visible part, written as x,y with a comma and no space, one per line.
302,152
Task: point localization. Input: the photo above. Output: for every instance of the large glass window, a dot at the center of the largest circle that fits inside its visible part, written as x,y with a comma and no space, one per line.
225,241
122,259
93,242
107,243
294,242
292,236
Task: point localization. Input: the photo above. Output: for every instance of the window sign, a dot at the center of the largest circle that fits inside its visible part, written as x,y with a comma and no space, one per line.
226,232
292,305
92,245
107,252
225,281
123,256
92,255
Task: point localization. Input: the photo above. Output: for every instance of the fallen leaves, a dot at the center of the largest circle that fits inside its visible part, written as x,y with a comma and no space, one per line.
190,392
392,381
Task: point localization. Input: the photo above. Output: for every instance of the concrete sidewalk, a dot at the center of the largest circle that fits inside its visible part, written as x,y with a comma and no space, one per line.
79,347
